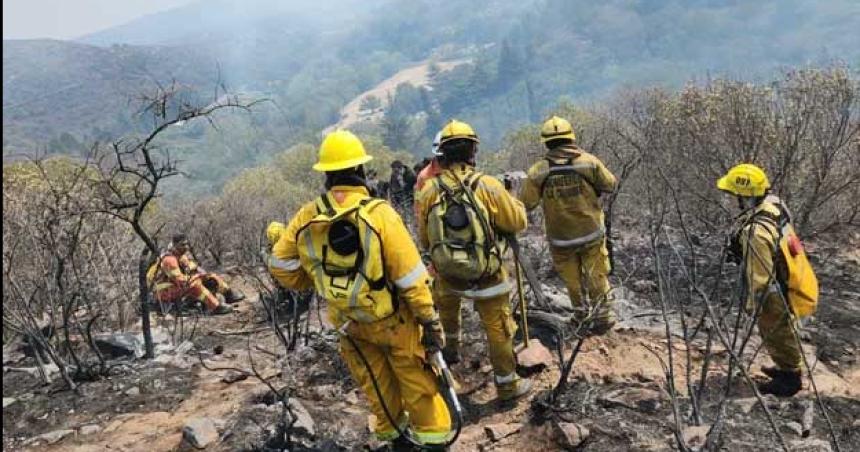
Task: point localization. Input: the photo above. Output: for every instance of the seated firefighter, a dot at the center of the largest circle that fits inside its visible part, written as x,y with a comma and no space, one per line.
177,276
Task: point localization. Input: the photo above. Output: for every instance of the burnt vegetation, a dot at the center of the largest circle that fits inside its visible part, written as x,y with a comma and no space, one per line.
79,234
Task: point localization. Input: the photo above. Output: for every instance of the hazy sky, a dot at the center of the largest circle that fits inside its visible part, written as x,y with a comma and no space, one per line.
66,19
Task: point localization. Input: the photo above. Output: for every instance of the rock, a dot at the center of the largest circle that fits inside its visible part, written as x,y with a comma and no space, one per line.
89,430
8,401
809,445
569,435
792,427
646,400
556,298
150,386
53,437
126,345
200,432
233,377
746,405
329,392
306,355
644,286
133,391
304,423
695,435
50,370
497,432
535,357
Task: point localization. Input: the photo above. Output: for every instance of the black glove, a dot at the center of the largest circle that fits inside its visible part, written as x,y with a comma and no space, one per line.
734,253
434,336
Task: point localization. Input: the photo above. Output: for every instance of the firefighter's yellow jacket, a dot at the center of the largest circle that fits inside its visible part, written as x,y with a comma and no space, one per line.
573,213
403,265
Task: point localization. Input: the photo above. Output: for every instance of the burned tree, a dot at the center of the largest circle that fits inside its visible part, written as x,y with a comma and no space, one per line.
131,170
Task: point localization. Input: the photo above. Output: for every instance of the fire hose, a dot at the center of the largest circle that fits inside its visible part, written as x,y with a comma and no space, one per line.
444,378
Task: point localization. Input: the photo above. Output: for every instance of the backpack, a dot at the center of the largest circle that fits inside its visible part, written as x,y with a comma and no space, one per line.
794,273
463,246
566,168
343,251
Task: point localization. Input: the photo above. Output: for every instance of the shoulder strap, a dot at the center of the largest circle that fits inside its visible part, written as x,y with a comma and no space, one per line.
442,185
324,205
473,180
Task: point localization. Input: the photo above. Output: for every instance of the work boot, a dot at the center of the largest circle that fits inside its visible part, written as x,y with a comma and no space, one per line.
221,309
451,355
783,383
233,296
514,389
770,371
400,444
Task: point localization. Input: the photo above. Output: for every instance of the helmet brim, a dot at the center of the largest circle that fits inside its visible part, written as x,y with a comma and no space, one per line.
341,165
458,137
561,136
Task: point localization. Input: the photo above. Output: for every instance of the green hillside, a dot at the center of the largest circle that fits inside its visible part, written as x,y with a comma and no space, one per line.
310,60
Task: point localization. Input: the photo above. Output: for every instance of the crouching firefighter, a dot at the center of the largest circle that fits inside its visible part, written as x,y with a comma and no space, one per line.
177,276
568,184
357,253
462,216
778,283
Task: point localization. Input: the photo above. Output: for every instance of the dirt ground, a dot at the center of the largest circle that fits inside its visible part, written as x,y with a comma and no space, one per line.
617,390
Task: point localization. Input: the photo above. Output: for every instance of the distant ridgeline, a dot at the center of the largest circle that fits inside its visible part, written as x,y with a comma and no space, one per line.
310,59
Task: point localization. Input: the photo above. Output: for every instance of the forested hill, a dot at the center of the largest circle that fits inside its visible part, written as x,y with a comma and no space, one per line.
312,58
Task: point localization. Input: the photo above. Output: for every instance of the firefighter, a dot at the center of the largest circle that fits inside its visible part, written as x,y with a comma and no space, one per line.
768,249
177,275
568,183
358,255
462,216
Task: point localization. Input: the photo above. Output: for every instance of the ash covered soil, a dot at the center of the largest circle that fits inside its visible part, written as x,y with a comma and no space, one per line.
617,396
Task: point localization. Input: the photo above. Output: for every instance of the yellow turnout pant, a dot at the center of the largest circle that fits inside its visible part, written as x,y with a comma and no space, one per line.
586,269
496,317
394,352
777,332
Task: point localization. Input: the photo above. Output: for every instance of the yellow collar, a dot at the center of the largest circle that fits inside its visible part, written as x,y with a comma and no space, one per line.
351,189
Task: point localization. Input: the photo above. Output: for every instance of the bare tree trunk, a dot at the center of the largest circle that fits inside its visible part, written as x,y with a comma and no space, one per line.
146,259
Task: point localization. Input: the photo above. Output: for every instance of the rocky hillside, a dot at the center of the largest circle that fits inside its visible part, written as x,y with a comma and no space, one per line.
204,389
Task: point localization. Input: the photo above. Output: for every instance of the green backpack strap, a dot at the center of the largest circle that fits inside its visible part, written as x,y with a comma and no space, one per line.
323,205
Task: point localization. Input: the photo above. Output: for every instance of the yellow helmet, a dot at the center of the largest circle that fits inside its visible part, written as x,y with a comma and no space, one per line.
455,130
341,150
556,128
744,180
274,232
